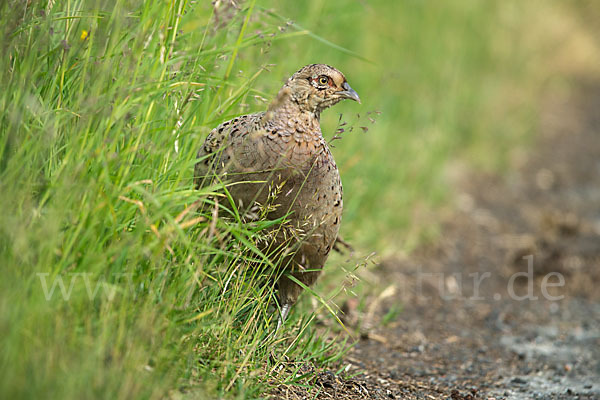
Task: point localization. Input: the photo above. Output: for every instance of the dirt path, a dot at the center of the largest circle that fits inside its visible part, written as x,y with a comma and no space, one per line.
529,339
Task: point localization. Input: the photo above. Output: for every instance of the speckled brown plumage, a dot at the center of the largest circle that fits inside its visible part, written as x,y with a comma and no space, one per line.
280,158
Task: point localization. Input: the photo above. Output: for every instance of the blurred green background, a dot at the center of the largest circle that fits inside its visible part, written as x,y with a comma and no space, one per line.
104,104
452,80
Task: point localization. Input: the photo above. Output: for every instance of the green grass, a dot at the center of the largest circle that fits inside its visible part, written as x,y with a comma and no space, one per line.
104,105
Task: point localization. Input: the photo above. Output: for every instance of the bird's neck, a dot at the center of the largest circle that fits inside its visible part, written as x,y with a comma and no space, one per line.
285,110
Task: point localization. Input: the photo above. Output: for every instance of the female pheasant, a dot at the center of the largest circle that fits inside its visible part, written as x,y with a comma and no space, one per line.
279,158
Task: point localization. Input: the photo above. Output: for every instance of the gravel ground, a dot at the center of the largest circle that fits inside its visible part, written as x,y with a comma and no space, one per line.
530,327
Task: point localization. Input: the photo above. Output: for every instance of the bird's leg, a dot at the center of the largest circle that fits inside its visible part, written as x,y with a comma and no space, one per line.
285,310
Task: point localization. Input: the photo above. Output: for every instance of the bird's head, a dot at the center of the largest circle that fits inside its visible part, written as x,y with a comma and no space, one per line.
317,87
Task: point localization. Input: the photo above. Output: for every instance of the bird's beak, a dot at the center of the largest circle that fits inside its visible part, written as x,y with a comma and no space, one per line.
349,93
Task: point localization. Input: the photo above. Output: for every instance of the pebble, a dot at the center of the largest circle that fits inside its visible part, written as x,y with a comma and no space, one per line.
518,381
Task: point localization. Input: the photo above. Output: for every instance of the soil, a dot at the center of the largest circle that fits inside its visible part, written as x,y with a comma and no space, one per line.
531,328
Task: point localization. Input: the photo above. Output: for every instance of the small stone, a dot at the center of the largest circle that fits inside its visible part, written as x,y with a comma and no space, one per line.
519,381
544,179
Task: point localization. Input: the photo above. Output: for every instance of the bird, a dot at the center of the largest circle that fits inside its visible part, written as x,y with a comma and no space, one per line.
279,161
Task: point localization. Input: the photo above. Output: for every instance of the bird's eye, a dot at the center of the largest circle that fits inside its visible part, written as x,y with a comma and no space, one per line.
323,80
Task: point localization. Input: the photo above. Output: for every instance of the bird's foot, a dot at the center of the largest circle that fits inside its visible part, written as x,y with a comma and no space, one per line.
285,310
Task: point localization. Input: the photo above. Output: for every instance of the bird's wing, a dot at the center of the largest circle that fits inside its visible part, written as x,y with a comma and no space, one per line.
220,146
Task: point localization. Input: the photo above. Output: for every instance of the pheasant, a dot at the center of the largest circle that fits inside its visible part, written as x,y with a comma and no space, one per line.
280,157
